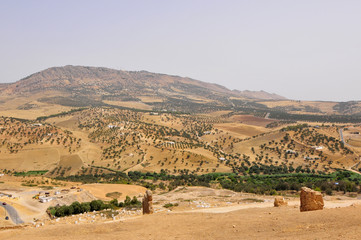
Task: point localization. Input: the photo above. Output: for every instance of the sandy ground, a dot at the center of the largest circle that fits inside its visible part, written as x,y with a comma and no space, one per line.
100,190
202,213
253,223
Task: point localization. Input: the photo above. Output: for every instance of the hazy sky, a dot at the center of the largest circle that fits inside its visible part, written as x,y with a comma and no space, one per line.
301,49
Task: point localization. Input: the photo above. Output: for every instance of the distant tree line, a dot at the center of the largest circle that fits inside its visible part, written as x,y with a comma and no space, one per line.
260,184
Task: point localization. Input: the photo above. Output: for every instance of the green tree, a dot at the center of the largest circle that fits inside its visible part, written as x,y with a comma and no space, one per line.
85,207
77,207
96,205
127,201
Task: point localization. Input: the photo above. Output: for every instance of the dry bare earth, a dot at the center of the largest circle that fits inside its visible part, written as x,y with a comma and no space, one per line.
326,107
100,190
261,223
28,107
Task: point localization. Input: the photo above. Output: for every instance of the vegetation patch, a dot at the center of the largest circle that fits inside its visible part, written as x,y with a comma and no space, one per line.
46,187
113,195
30,173
29,185
95,205
170,205
340,180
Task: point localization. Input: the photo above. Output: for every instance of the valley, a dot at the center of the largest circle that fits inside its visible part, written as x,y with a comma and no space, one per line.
95,139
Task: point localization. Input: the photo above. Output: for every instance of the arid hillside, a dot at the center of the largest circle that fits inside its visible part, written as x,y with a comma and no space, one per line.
90,86
107,140
59,89
55,89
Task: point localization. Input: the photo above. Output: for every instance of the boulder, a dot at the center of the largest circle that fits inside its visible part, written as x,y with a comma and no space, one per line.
147,202
310,200
280,201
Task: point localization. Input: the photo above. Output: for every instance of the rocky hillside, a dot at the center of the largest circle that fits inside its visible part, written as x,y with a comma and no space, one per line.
3,86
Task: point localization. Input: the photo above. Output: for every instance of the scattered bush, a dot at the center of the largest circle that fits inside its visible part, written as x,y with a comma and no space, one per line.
170,205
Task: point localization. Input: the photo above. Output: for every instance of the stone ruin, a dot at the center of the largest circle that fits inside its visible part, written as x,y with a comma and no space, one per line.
280,201
147,202
310,200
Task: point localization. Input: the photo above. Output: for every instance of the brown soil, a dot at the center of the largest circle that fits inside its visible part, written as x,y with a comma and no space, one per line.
261,223
251,120
100,190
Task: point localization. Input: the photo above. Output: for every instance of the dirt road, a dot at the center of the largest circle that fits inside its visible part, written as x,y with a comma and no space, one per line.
12,213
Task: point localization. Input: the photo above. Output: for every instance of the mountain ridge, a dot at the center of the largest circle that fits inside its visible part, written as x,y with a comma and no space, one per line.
69,76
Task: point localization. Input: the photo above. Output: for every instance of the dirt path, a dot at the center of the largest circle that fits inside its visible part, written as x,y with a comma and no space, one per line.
293,203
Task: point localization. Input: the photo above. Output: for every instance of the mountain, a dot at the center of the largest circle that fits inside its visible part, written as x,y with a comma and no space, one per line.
95,79
79,86
3,86
59,89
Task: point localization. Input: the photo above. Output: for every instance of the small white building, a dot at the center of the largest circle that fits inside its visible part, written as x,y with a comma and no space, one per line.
317,147
222,159
45,199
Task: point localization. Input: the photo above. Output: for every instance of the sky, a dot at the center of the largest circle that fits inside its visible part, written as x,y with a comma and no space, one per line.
300,49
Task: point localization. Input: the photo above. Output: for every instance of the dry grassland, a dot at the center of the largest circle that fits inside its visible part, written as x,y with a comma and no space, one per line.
250,120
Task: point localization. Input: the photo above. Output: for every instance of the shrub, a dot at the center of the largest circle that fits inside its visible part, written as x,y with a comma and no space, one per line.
169,205
114,203
329,191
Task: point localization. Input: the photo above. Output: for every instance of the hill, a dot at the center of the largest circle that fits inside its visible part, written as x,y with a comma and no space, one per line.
103,81
78,86
259,95
110,140
60,89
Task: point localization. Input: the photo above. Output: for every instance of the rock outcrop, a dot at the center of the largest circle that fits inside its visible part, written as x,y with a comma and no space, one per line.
147,202
310,200
280,201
